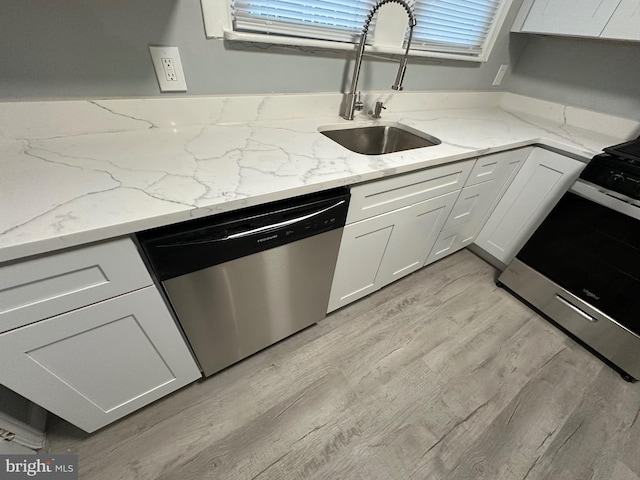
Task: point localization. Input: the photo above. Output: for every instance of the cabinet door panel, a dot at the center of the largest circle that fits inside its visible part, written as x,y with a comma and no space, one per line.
449,241
625,22
46,286
99,363
414,235
361,251
541,182
578,17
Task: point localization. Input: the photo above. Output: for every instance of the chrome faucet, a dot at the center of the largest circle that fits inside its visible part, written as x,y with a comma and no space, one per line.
353,98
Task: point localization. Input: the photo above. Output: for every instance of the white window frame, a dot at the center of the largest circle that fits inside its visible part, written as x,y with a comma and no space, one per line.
217,22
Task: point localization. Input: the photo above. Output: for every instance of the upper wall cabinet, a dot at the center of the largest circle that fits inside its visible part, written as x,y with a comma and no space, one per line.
577,17
606,19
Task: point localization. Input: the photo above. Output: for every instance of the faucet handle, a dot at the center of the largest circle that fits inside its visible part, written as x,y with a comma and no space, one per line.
378,110
358,105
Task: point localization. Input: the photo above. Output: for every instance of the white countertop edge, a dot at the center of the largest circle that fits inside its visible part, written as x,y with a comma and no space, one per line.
15,252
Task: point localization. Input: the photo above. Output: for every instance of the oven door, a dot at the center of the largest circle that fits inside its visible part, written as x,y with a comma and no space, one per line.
589,245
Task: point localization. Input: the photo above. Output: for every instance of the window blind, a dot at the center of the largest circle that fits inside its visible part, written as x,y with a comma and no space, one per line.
453,26
459,26
340,21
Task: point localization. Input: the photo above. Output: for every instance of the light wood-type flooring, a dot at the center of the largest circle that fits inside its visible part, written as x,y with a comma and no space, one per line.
440,375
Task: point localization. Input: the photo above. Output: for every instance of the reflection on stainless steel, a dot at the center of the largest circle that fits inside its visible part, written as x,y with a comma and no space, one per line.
234,309
593,327
381,138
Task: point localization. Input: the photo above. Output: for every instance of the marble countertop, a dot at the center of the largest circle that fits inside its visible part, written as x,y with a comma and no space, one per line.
78,172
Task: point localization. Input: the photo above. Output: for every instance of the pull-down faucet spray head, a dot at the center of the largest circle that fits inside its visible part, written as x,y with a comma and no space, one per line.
351,96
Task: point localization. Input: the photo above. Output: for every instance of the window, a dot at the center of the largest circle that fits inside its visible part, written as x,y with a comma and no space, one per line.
318,19
445,28
460,26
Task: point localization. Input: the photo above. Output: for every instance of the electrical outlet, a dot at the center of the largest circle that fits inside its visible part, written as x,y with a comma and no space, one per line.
169,70
166,61
500,75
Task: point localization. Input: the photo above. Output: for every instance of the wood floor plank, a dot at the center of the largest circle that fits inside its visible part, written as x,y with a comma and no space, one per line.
439,375
588,443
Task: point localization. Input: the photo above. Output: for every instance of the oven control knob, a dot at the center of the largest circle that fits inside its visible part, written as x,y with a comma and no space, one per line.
615,179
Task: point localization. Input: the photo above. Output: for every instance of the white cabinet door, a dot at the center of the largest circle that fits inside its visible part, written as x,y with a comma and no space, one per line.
362,248
477,200
413,237
379,250
542,180
586,18
96,364
625,22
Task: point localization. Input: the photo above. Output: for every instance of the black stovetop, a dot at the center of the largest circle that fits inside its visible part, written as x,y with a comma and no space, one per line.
617,169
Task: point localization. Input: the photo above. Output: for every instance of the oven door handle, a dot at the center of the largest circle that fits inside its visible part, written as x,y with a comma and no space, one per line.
607,198
577,310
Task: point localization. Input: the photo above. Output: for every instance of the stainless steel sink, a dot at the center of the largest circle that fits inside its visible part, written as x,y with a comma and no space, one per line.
383,137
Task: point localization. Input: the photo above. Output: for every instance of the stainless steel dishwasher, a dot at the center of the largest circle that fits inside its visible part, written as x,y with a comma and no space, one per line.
241,281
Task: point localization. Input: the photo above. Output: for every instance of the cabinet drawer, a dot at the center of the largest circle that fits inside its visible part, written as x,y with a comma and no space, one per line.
448,242
473,203
42,287
496,165
382,196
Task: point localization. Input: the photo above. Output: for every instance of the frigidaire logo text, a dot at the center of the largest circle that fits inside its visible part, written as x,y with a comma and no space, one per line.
590,294
270,237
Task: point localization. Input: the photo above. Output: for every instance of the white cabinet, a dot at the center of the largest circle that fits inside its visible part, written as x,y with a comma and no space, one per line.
576,17
477,200
378,250
542,180
41,287
110,352
361,252
392,193
413,236
625,22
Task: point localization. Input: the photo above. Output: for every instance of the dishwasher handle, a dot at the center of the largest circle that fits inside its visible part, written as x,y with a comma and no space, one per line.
184,248
265,229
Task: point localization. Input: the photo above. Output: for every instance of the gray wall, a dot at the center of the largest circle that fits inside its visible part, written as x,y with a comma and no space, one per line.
598,75
98,48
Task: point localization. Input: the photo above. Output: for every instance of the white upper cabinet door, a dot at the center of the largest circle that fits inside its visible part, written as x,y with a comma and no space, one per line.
625,22
586,18
96,364
542,180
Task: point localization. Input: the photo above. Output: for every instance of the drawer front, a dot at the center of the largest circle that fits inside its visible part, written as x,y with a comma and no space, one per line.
449,241
473,203
46,286
494,166
383,196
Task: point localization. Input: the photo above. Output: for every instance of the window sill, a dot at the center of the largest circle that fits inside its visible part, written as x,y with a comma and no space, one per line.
371,49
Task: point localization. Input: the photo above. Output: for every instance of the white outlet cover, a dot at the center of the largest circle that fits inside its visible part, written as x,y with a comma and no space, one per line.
500,75
157,54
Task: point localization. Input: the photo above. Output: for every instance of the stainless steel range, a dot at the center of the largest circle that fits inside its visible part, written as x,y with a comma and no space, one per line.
581,267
